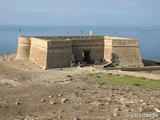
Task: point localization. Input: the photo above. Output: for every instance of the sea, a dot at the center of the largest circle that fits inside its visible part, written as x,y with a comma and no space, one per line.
149,36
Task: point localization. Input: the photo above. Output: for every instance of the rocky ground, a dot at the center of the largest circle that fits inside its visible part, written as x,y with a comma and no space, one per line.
30,93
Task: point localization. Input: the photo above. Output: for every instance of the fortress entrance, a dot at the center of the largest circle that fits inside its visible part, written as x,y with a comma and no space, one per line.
86,56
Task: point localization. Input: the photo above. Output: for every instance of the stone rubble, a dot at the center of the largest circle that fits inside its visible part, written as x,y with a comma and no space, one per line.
64,100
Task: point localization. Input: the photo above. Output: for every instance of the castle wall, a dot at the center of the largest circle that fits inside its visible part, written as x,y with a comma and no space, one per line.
59,51
52,38
107,49
125,51
95,47
38,52
23,50
59,54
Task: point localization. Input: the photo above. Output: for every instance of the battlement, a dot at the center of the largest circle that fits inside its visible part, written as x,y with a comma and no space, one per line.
63,51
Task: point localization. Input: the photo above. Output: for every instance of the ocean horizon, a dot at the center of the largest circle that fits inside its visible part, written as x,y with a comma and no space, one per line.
149,36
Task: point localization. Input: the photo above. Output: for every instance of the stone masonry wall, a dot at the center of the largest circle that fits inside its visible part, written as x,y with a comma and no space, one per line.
59,54
23,49
38,52
124,51
58,51
95,47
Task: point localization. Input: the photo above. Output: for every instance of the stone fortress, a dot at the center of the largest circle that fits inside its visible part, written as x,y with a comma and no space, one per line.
64,51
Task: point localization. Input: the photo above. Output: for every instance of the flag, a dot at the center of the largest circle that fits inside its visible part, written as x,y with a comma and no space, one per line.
91,32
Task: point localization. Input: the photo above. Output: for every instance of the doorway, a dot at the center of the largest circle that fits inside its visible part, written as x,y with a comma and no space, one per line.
86,56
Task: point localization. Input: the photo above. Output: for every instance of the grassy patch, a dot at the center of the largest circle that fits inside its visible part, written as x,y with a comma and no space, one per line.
125,80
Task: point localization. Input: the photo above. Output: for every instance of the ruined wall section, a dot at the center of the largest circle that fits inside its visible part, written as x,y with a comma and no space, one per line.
59,54
94,46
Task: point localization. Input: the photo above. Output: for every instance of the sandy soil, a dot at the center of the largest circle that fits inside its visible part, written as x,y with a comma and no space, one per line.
30,93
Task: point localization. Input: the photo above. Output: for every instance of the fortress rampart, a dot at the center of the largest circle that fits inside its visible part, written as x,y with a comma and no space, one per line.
62,51
123,51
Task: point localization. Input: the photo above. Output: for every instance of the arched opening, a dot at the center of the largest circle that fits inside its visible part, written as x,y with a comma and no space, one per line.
86,56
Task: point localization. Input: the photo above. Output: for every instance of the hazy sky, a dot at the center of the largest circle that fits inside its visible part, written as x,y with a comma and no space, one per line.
80,12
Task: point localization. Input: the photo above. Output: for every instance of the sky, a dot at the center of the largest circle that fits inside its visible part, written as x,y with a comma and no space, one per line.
80,12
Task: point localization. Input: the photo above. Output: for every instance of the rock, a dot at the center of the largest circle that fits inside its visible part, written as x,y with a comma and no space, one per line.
70,79
131,102
83,89
115,115
52,103
108,119
152,98
64,100
123,99
60,95
108,99
79,67
125,105
50,96
157,110
59,117
108,103
65,81
17,103
111,95
29,68
132,110
90,110
144,103
95,102
140,109
68,76
76,118
98,103
43,100
141,101
128,110
117,109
